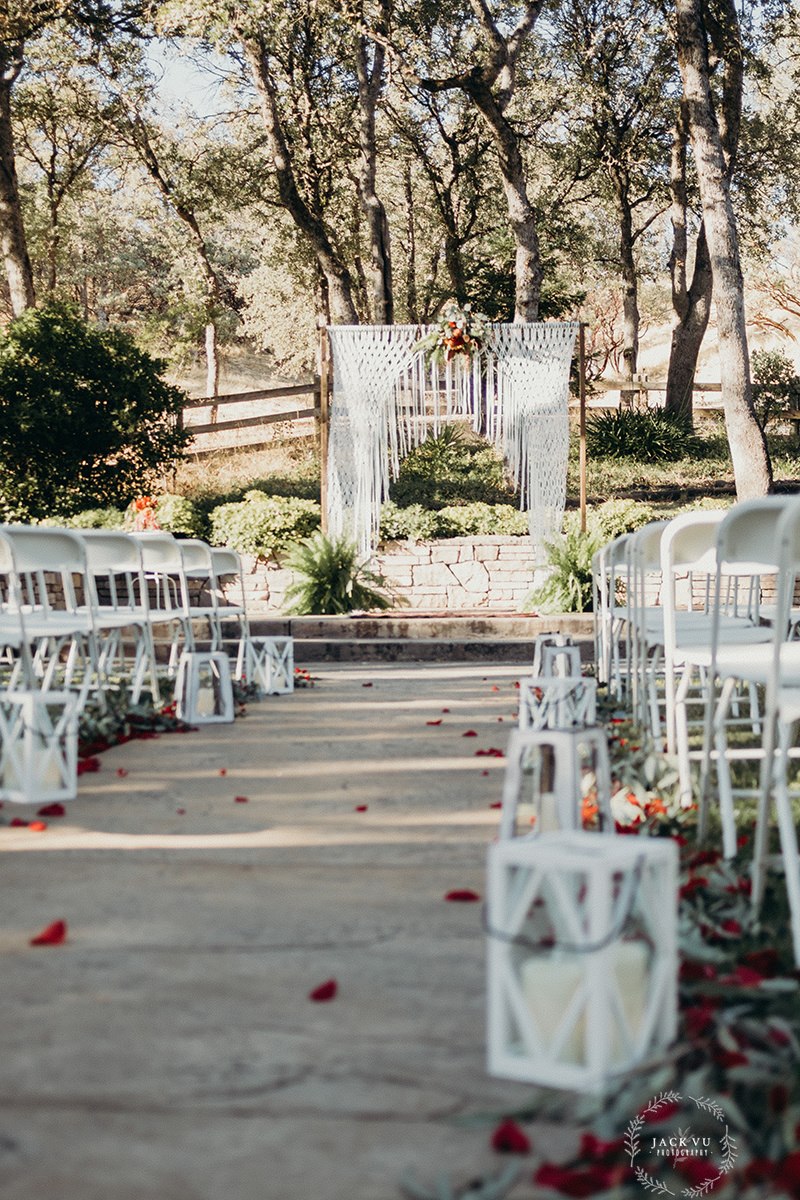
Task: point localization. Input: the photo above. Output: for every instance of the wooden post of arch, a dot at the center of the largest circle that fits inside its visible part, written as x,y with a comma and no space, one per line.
324,377
582,402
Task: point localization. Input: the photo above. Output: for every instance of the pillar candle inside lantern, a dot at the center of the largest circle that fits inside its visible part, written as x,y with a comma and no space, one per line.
550,981
206,702
40,771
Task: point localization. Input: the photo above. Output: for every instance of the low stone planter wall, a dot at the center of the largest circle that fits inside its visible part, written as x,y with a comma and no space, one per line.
452,574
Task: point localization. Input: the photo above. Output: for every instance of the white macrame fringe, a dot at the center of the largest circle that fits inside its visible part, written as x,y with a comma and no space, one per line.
387,400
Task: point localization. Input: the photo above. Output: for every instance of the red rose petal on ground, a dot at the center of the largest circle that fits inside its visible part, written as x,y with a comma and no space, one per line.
508,1138
37,826
366,685
445,710
495,688
325,991
122,772
52,935
462,895
496,803
18,823
241,799
470,733
87,766
181,812
52,810
434,722
361,807
223,771
484,772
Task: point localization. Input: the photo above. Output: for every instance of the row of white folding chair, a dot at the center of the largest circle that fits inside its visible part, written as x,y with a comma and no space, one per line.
610,591
43,568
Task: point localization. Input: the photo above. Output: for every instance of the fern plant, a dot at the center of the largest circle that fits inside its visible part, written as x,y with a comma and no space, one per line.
568,587
333,579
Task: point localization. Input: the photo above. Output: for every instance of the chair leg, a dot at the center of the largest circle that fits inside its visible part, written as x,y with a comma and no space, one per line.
724,784
788,836
682,739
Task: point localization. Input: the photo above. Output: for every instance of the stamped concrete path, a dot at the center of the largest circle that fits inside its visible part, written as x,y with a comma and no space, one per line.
169,1050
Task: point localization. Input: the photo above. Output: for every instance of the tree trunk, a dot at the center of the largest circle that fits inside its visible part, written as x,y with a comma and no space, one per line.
212,363
751,465
522,218
370,78
340,286
411,249
53,243
12,229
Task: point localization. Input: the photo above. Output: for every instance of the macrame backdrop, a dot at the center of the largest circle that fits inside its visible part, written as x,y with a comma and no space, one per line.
387,399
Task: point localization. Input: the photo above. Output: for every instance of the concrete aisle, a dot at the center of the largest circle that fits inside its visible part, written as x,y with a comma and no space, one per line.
168,1051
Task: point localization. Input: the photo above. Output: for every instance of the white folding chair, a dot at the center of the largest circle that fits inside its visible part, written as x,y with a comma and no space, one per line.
610,589
168,595
119,597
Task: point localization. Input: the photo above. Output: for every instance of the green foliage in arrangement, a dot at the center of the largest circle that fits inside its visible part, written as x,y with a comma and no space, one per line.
84,415
650,436
568,587
451,468
776,385
263,525
333,579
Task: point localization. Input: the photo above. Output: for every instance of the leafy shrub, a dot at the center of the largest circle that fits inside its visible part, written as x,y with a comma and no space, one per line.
175,514
415,522
94,518
648,436
451,468
333,579
84,415
477,518
776,385
615,517
263,525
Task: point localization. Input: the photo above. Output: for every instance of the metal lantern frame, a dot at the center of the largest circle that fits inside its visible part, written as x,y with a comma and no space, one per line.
39,738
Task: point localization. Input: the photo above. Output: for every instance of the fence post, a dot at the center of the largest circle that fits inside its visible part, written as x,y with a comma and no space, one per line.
324,421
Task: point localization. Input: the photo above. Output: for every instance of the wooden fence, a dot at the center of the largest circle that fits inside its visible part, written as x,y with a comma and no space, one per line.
257,423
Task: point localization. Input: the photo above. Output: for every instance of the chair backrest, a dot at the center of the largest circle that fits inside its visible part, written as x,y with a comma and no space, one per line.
110,550
47,562
747,543
116,572
160,552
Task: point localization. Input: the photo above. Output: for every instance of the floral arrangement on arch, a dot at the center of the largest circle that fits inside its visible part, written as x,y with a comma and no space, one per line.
459,332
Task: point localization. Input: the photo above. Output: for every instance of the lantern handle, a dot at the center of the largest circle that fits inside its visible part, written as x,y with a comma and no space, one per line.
627,901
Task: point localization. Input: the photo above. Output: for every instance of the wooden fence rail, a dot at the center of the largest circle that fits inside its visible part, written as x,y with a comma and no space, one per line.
264,419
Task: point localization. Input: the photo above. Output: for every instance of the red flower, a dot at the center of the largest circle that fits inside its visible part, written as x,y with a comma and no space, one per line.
743,977
766,961
778,1098
704,858
787,1173
779,1037
52,810
592,1147
730,1058
692,885
699,1020
693,972
508,1138
51,935
760,1170
325,991
573,1181
462,896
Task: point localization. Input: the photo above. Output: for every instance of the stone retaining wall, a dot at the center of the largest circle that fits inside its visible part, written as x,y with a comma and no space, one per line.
451,574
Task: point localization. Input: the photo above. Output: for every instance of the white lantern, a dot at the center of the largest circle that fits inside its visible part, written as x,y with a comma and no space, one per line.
557,702
549,774
39,737
203,688
270,664
582,956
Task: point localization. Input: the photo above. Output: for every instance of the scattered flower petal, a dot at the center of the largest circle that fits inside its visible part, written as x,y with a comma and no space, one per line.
37,826
223,771
495,803
508,1138
87,766
52,935
241,799
434,722
325,991
18,823
181,812
52,810
361,807
122,772
462,895
366,685
470,733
